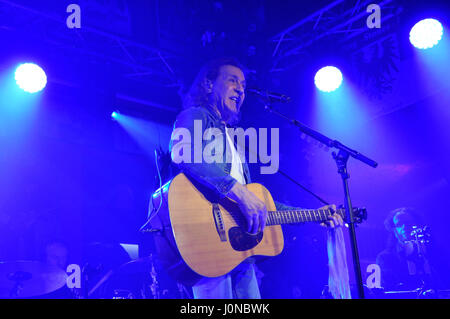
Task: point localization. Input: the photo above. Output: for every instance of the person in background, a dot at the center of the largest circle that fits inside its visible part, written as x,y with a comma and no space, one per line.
56,254
404,263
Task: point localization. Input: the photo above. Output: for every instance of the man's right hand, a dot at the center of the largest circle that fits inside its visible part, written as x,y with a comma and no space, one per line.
253,209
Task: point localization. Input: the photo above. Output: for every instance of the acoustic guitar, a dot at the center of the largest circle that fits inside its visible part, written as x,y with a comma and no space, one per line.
199,235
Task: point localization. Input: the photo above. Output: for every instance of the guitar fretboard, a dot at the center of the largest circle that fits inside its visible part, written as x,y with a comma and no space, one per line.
300,216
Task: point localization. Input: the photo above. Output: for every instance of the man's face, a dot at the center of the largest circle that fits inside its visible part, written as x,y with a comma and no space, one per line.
402,226
56,255
228,92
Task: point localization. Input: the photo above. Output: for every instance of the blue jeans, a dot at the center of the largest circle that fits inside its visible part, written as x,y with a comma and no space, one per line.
241,283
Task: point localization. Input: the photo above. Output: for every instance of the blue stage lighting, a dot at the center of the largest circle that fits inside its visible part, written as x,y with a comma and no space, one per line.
328,79
426,33
30,77
114,115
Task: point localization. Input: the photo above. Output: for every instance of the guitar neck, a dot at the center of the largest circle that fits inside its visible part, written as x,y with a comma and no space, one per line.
280,217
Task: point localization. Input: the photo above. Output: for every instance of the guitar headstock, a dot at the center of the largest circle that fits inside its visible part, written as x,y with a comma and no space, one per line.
419,234
359,214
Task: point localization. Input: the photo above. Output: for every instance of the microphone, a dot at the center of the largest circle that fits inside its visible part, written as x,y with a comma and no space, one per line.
269,95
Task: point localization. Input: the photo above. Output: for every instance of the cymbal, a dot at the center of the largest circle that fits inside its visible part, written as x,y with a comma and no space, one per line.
137,266
23,279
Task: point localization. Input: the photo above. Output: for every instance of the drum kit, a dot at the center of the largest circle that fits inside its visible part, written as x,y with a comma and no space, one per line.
134,279
25,279
110,274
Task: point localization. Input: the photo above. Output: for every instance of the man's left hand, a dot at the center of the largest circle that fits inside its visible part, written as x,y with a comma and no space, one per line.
335,220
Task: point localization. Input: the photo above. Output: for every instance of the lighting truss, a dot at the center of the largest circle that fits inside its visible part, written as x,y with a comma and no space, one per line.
343,19
134,59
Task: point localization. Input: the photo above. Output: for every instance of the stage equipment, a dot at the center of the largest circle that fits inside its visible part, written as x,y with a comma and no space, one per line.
426,33
24,279
420,235
344,21
341,157
30,77
328,79
126,282
276,97
104,38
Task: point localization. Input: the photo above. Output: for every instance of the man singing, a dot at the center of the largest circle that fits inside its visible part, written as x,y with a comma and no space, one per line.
215,98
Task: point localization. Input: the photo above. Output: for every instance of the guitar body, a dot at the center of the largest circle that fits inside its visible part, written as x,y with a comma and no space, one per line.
199,235
210,235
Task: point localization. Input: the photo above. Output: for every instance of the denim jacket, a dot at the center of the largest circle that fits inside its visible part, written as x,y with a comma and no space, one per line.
215,177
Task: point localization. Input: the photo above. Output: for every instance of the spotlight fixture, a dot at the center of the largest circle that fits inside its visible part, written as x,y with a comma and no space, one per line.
426,33
30,77
328,79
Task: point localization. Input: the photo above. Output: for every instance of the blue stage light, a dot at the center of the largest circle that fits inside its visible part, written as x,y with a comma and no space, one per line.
114,115
426,33
328,79
30,77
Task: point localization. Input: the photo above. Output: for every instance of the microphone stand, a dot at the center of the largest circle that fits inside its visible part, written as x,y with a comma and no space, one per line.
341,159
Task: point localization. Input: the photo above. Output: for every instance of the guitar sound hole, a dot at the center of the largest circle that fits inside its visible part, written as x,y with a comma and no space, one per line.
240,240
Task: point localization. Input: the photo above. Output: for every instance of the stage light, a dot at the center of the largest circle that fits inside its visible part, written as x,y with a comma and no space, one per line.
30,77
426,33
114,115
328,79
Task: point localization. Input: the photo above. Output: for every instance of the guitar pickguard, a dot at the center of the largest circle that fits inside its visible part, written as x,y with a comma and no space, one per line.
241,240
